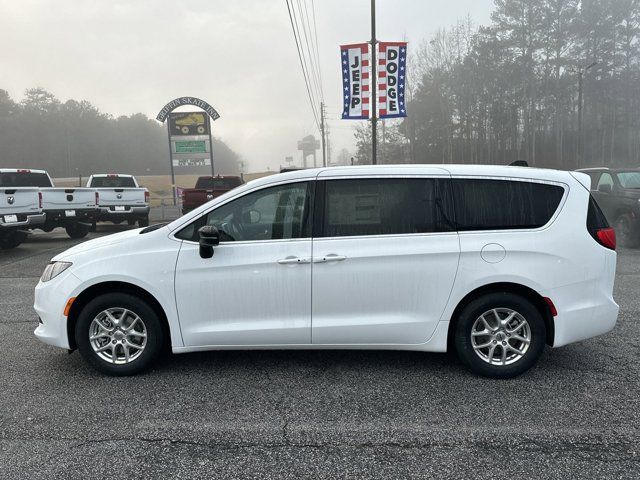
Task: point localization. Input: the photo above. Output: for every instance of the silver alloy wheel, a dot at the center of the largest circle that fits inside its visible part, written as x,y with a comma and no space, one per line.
118,335
501,336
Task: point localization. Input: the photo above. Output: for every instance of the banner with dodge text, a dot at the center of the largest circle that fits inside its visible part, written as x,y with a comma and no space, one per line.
355,81
392,63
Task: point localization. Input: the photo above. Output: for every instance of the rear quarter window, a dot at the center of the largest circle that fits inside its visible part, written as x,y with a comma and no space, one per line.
493,204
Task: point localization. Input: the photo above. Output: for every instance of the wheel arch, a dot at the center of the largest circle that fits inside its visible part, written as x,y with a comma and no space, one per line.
530,294
114,287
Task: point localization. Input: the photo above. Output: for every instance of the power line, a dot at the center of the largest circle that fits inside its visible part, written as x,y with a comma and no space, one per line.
310,71
315,32
302,64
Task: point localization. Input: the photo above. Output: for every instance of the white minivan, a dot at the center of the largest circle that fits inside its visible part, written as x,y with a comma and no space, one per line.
494,262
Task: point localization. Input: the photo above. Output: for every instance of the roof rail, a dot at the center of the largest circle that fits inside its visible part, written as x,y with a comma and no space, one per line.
519,163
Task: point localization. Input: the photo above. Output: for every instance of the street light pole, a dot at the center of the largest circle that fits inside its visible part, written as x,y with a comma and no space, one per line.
372,85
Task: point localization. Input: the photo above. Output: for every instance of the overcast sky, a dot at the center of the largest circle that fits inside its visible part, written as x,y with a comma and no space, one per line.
128,56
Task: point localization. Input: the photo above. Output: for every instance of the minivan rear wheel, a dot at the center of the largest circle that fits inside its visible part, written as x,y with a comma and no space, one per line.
119,334
500,335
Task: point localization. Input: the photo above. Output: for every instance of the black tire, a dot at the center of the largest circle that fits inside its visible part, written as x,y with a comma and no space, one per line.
12,239
504,303
143,222
154,332
131,222
627,232
77,230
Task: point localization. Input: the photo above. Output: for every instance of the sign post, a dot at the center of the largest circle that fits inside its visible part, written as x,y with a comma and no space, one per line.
189,135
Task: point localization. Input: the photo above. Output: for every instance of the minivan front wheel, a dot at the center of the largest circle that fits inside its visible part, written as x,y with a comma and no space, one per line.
500,335
119,334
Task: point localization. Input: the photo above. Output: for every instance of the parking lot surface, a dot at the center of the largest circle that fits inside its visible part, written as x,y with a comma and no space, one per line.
313,414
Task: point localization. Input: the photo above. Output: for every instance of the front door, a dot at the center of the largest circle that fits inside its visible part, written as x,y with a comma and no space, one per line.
384,261
256,289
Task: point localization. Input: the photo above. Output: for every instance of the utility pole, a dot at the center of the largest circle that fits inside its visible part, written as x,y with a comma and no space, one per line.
322,132
373,85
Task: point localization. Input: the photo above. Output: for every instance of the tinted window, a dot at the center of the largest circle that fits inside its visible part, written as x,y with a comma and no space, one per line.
17,179
384,207
113,182
629,179
501,204
218,183
595,219
605,179
274,213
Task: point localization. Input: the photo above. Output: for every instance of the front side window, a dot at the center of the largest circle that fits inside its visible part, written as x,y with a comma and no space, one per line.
385,206
605,179
486,204
275,213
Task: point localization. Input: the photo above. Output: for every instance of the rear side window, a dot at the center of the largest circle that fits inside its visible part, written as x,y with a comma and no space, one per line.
384,206
113,182
595,219
19,179
484,204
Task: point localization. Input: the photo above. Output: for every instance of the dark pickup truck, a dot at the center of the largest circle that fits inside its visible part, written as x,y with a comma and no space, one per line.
617,192
207,188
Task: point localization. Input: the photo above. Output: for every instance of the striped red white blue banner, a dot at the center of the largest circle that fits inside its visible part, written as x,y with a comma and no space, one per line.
392,66
355,81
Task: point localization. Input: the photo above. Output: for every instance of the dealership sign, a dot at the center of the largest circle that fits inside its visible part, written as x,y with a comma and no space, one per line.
392,64
356,80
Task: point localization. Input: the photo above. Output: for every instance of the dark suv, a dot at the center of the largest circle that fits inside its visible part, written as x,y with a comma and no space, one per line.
617,191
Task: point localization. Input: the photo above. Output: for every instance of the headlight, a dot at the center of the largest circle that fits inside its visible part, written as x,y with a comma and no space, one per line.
53,270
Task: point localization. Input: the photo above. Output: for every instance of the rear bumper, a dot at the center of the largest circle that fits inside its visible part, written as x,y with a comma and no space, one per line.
583,312
110,213
27,220
60,217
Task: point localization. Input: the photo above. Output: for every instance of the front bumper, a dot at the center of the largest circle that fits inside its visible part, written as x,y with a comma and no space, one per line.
25,220
50,300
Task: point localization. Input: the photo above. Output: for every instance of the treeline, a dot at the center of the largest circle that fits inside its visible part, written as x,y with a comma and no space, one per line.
552,82
74,138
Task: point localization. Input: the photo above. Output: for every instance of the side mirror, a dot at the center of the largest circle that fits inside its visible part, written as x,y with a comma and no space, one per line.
209,238
604,188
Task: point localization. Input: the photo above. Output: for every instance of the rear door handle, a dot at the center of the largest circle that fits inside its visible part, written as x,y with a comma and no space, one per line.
332,257
293,260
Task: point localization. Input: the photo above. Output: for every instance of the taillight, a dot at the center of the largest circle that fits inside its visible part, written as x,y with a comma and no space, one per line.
607,237
146,196
40,199
97,199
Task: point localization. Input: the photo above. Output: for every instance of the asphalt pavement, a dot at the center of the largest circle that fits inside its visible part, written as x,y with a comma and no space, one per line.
313,414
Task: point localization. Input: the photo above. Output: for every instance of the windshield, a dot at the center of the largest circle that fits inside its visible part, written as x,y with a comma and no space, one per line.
24,179
629,179
218,183
113,182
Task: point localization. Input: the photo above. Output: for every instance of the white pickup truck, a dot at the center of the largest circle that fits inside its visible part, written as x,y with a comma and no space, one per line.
121,198
74,209
20,209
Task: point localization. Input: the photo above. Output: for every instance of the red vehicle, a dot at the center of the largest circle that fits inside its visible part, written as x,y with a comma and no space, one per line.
207,188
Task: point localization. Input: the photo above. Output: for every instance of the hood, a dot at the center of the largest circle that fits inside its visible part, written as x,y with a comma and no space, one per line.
98,243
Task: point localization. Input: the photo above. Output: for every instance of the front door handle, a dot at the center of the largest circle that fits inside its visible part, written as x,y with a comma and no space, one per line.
293,260
332,257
